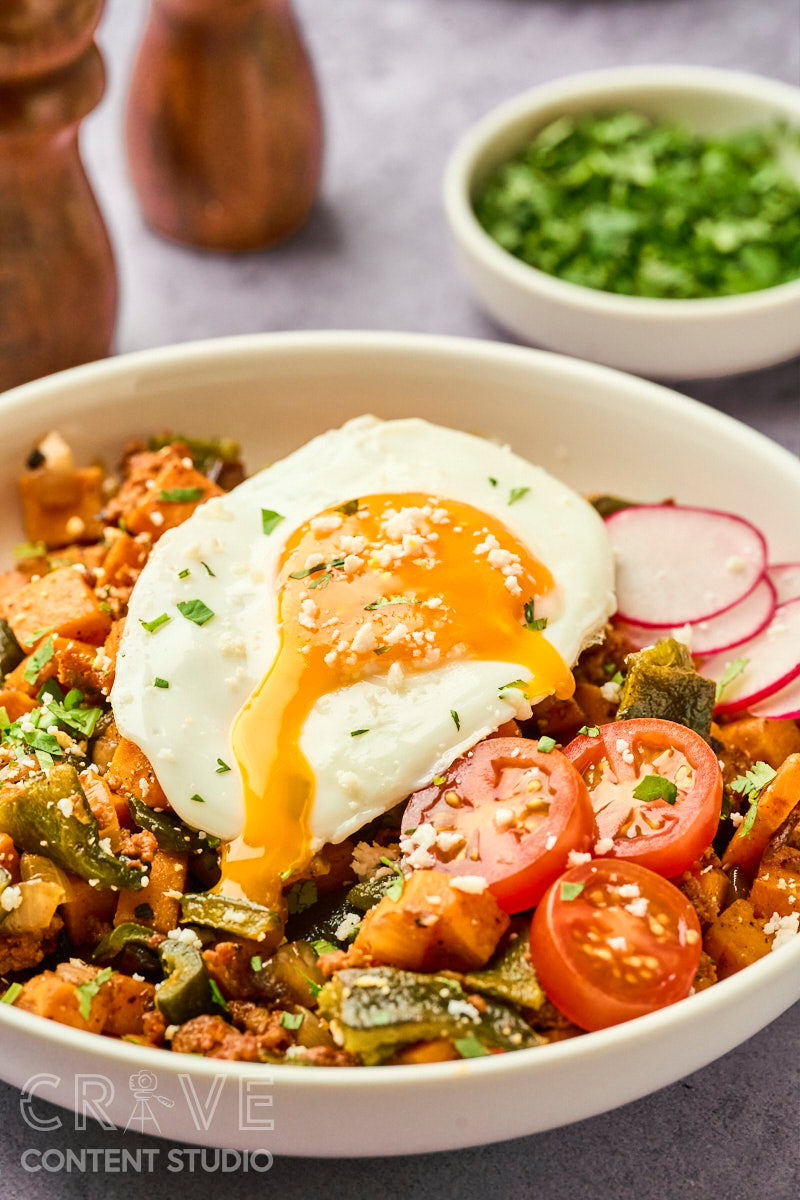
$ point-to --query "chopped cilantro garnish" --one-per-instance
(732, 671)
(81, 719)
(5, 723)
(754, 780)
(617, 677)
(30, 550)
(38, 659)
(105, 607)
(208, 569)
(156, 623)
(749, 818)
(314, 987)
(87, 991)
(520, 684)
(492, 481)
(395, 889)
(517, 493)
(456, 718)
(381, 650)
(470, 1047)
(535, 624)
(11, 993)
(217, 995)
(270, 520)
(195, 610)
(569, 891)
(546, 744)
(256, 962)
(655, 787)
(624, 203)
(382, 601)
(301, 896)
(336, 563)
(349, 509)
(323, 946)
(160, 683)
(358, 732)
(291, 1020)
(179, 495)
(590, 730)
(184, 573)
(197, 799)
(439, 780)
(222, 767)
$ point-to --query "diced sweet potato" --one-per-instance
(129, 1002)
(11, 582)
(86, 909)
(776, 887)
(16, 704)
(433, 926)
(774, 805)
(50, 995)
(736, 939)
(706, 888)
(60, 507)
(144, 501)
(74, 664)
(439, 1050)
(596, 708)
(111, 650)
(768, 741)
(124, 560)
(167, 875)
(131, 774)
(61, 602)
(9, 858)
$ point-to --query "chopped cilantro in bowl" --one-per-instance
(620, 203)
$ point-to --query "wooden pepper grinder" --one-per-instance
(58, 289)
(224, 128)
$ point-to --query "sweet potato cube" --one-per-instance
(129, 1001)
(163, 507)
(774, 805)
(50, 995)
(776, 887)
(167, 875)
(131, 774)
(736, 939)
(124, 560)
(9, 857)
(61, 602)
(60, 507)
(768, 741)
(86, 909)
(432, 926)
(16, 704)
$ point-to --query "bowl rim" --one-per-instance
(670, 78)
(747, 983)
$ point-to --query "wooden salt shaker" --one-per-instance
(224, 128)
(58, 290)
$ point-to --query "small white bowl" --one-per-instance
(669, 339)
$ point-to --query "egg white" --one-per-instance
(213, 669)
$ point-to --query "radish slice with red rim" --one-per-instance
(772, 661)
(786, 580)
(729, 629)
(780, 706)
(677, 565)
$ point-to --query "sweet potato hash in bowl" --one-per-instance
(413, 747)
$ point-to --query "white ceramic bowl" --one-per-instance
(667, 339)
(274, 392)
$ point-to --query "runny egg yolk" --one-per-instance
(380, 586)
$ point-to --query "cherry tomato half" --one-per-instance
(507, 812)
(611, 941)
(668, 833)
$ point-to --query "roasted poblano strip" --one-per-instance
(661, 682)
(186, 989)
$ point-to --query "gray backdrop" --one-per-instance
(401, 79)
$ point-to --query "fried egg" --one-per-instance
(333, 633)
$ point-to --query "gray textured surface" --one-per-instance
(401, 79)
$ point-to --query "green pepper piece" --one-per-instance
(661, 682)
(509, 976)
(186, 990)
(606, 505)
(170, 831)
(369, 892)
(204, 451)
(373, 1012)
(240, 917)
(11, 653)
(69, 835)
(127, 934)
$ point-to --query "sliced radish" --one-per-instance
(772, 661)
(735, 625)
(786, 578)
(780, 706)
(677, 565)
